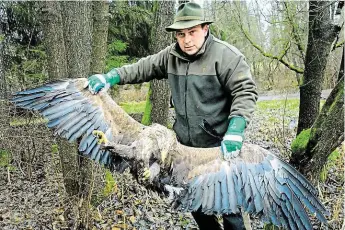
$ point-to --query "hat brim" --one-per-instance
(180, 25)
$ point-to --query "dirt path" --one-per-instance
(268, 96)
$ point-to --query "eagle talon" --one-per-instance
(173, 192)
(146, 174)
(102, 139)
(150, 173)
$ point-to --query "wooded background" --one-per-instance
(291, 46)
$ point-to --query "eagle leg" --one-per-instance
(172, 191)
(152, 172)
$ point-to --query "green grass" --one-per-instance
(332, 160)
(278, 104)
(291, 104)
(133, 107)
(110, 184)
(4, 158)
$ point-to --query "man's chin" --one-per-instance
(190, 52)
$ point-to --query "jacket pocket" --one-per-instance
(209, 129)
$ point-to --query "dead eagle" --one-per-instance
(256, 181)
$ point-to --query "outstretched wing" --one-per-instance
(257, 182)
(72, 113)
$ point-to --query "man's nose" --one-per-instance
(187, 39)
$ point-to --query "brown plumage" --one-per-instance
(257, 181)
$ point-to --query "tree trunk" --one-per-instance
(67, 30)
(159, 90)
(54, 40)
(3, 87)
(341, 70)
(321, 35)
(77, 35)
(99, 36)
(327, 132)
(57, 69)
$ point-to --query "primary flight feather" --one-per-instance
(257, 181)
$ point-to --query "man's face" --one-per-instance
(190, 40)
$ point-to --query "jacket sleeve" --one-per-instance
(240, 87)
(146, 69)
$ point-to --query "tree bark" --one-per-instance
(326, 134)
(341, 70)
(3, 87)
(99, 36)
(160, 91)
(321, 35)
(57, 69)
(68, 35)
(77, 34)
(77, 24)
(54, 40)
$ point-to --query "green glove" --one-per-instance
(233, 138)
(99, 81)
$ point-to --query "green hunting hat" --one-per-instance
(188, 15)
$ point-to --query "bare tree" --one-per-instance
(3, 88)
(321, 35)
(68, 35)
(100, 16)
(327, 132)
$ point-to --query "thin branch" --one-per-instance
(280, 59)
(260, 49)
(295, 32)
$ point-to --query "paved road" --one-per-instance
(324, 95)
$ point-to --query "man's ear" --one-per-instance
(206, 28)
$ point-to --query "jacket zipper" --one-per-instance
(185, 102)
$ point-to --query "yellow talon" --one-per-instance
(146, 174)
(102, 139)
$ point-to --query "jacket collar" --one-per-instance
(176, 50)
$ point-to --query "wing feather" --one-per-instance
(217, 196)
(256, 181)
(72, 113)
(231, 191)
(264, 186)
(225, 202)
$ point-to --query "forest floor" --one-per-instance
(32, 195)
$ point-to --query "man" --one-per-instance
(212, 89)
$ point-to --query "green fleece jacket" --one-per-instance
(207, 88)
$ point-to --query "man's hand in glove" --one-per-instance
(233, 138)
(99, 81)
